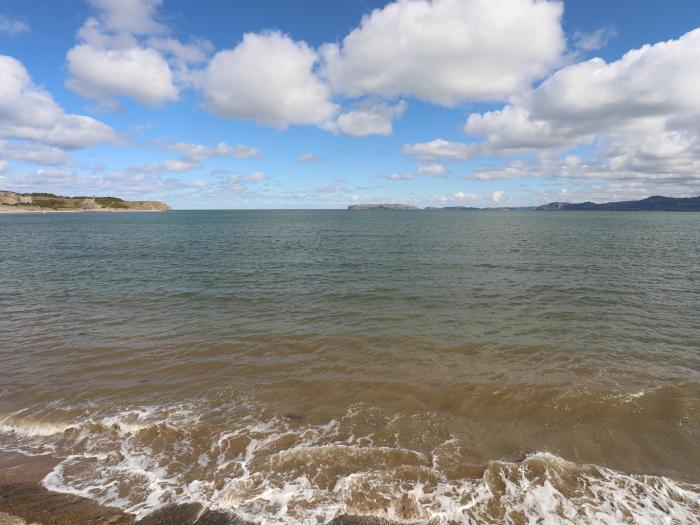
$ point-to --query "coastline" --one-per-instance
(12, 210)
(25, 501)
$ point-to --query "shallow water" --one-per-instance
(295, 365)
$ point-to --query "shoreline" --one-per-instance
(25, 501)
(7, 210)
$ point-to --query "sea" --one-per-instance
(292, 366)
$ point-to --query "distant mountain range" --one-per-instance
(656, 203)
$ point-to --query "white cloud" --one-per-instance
(448, 51)
(166, 166)
(640, 113)
(370, 119)
(270, 79)
(436, 170)
(29, 112)
(307, 158)
(125, 52)
(11, 26)
(136, 72)
(241, 151)
(3, 166)
(401, 176)
(439, 149)
(130, 16)
(34, 153)
(465, 196)
(589, 98)
(239, 183)
(497, 196)
(199, 152)
(457, 198)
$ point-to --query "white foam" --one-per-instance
(268, 471)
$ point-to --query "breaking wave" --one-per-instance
(279, 471)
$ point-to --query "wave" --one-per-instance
(276, 471)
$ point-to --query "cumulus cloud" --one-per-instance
(11, 26)
(29, 112)
(267, 78)
(647, 86)
(130, 16)
(640, 113)
(123, 51)
(369, 119)
(3, 166)
(307, 158)
(448, 51)
(136, 72)
(496, 196)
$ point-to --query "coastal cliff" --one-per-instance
(21, 202)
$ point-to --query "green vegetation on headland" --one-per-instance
(10, 201)
(656, 203)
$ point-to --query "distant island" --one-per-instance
(11, 202)
(656, 203)
(381, 207)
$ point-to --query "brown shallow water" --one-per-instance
(295, 366)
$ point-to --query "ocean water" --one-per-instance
(291, 366)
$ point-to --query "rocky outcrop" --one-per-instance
(381, 207)
(553, 206)
(10, 200)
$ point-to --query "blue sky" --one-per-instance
(317, 104)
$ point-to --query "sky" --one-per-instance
(317, 104)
